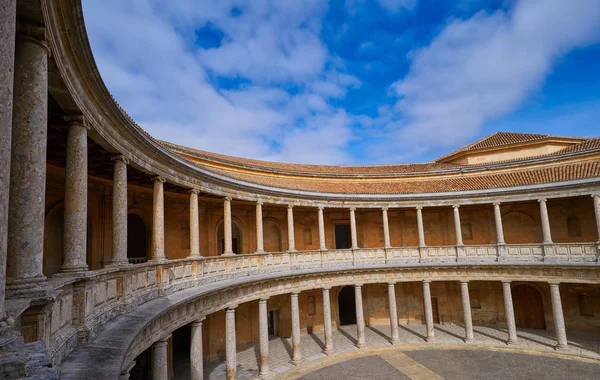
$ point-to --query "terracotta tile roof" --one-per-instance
(557, 173)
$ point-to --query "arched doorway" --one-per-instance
(271, 236)
(347, 306)
(529, 307)
(136, 239)
(236, 238)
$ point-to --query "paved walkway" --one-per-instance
(280, 350)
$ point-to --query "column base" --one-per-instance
(74, 268)
(512, 342)
(361, 346)
(118, 264)
(430, 339)
(561, 347)
(264, 375)
(32, 287)
(162, 260)
(195, 257)
(296, 361)
(469, 341)
(395, 341)
(330, 351)
(228, 254)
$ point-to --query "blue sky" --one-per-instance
(349, 81)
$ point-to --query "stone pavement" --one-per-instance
(280, 349)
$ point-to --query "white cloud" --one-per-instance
(479, 69)
(393, 6)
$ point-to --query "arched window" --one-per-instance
(271, 236)
(236, 238)
(137, 251)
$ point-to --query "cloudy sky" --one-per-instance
(349, 82)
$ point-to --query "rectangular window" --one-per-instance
(307, 236)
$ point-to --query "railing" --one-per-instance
(137, 260)
(85, 304)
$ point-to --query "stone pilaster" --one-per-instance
(353, 228)
(227, 236)
(230, 344)
(428, 311)
(260, 245)
(466, 304)
(158, 221)
(196, 355)
(327, 323)
(457, 227)
(119, 211)
(386, 228)
(547, 236)
(559, 319)
(8, 11)
(360, 318)
(395, 338)
(297, 355)
(420, 229)
(28, 164)
(160, 362)
(509, 311)
(596, 198)
(194, 225)
(263, 332)
(76, 194)
(322, 245)
(290, 228)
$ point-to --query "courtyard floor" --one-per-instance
(443, 358)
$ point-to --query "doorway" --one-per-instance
(529, 307)
(342, 236)
(347, 306)
(273, 322)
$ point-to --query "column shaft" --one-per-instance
(498, 222)
(510, 313)
(291, 235)
(327, 323)
(28, 163)
(546, 234)
(297, 355)
(395, 338)
(263, 328)
(196, 355)
(353, 228)
(260, 247)
(227, 237)
(322, 245)
(194, 226)
(420, 229)
(559, 319)
(119, 211)
(8, 11)
(230, 344)
(428, 311)
(76, 194)
(158, 220)
(466, 304)
(596, 198)
(386, 228)
(457, 226)
(160, 360)
(360, 318)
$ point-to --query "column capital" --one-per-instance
(419, 207)
(194, 191)
(76, 119)
(358, 286)
(352, 208)
(295, 294)
(391, 284)
(542, 200)
(595, 195)
(497, 204)
(464, 281)
(321, 207)
(384, 208)
(455, 206)
(158, 179)
(506, 282)
(231, 309)
(34, 33)
(227, 198)
(259, 202)
(326, 288)
(426, 281)
(120, 157)
(290, 206)
(198, 322)
(554, 283)
(263, 300)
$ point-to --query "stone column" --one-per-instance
(457, 227)
(194, 225)
(196, 355)
(263, 328)
(124, 375)
(119, 211)
(353, 228)
(596, 198)
(510, 314)
(230, 344)
(260, 245)
(322, 245)
(547, 236)
(559, 319)
(8, 11)
(76, 194)
(290, 222)
(420, 229)
(228, 240)
(386, 228)
(499, 228)
(466, 304)
(395, 338)
(160, 359)
(360, 318)
(158, 221)
(327, 323)
(297, 355)
(28, 163)
(428, 311)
